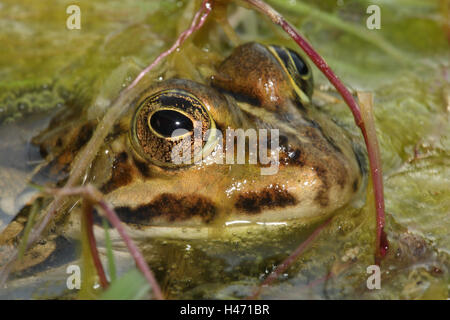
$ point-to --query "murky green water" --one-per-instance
(45, 67)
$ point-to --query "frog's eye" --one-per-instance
(296, 67)
(167, 120)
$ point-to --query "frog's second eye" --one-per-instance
(167, 120)
(296, 67)
(265, 75)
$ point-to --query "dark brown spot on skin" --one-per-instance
(284, 141)
(142, 167)
(355, 185)
(290, 155)
(171, 207)
(327, 146)
(117, 130)
(298, 157)
(342, 178)
(80, 138)
(330, 140)
(64, 149)
(322, 195)
(317, 141)
(270, 197)
(321, 173)
(43, 151)
(83, 136)
(121, 173)
(293, 157)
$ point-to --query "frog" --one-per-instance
(260, 87)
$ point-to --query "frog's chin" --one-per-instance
(238, 226)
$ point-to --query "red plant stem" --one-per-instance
(375, 165)
(87, 211)
(290, 260)
(135, 252)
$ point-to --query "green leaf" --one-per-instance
(131, 286)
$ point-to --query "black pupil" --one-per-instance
(165, 122)
(299, 63)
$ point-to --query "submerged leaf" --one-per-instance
(130, 286)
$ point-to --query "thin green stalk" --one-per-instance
(23, 243)
(366, 103)
(109, 252)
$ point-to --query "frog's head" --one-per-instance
(310, 168)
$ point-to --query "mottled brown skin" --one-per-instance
(121, 173)
(251, 74)
(59, 146)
